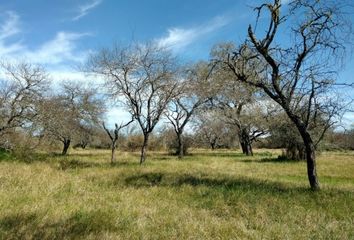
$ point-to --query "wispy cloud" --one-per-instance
(178, 38)
(84, 9)
(61, 49)
(58, 50)
(10, 26)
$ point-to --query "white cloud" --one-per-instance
(117, 115)
(178, 38)
(348, 119)
(58, 50)
(65, 74)
(9, 28)
(61, 49)
(11, 25)
(85, 9)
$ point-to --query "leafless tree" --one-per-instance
(249, 120)
(22, 86)
(194, 91)
(299, 75)
(142, 77)
(211, 129)
(65, 115)
(114, 136)
(240, 107)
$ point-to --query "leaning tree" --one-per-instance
(140, 76)
(297, 72)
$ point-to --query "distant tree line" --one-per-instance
(261, 92)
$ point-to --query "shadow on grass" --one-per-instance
(78, 225)
(23, 158)
(271, 160)
(164, 157)
(228, 184)
(224, 184)
(144, 180)
(66, 164)
(123, 164)
(233, 154)
(86, 155)
(220, 154)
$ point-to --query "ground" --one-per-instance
(208, 195)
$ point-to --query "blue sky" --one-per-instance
(78, 26)
(61, 34)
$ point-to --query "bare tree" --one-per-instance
(114, 136)
(65, 115)
(298, 76)
(144, 75)
(241, 107)
(211, 129)
(249, 120)
(194, 91)
(21, 88)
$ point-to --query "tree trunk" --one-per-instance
(310, 159)
(245, 142)
(250, 150)
(66, 146)
(143, 148)
(83, 145)
(243, 147)
(310, 151)
(113, 148)
(180, 150)
(212, 145)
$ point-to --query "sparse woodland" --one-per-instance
(253, 106)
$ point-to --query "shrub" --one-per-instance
(134, 143)
(172, 145)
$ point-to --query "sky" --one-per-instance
(61, 34)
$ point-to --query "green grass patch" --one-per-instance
(4, 155)
(208, 195)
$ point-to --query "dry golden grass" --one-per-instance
(208, 195)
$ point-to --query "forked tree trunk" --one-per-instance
(143, 148)
(66, 145)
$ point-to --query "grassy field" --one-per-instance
(208, 195)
